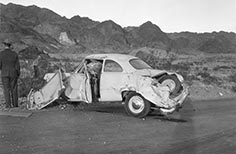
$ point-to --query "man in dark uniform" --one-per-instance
(10, 71)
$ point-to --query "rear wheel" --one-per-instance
(136, 105)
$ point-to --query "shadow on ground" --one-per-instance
(118, 109)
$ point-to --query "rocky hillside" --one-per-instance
(148, 34)
(216, 42)
(31, 26)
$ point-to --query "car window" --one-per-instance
(112, 66)
(139, 64)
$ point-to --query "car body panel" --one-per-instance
(78, 88)
(50, 92)
(110, 87)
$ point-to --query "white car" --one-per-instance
(119, 78)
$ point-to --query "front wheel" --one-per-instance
(136, 105)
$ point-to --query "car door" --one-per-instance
(78, 86)
(110, 81)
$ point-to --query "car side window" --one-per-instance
(112, 66)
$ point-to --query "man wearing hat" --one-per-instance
(10, 71)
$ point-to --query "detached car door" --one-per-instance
(78, 86)
(110, 82)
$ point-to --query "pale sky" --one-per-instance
(169, 15)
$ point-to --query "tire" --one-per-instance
(136, 105)
(172, 82)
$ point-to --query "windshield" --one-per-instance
(139, 64)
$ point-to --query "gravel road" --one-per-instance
(200, 127)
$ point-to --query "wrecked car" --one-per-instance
(115, 78)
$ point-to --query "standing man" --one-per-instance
(10, 67)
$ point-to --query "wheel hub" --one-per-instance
(136, 104)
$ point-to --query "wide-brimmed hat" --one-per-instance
(7, 42)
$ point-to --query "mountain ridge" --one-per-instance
(41, 27)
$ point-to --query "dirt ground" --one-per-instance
(200, 91)
(200, 127)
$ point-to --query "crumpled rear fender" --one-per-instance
(158, 95)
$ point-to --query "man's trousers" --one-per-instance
(10, 88)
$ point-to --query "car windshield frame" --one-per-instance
(140, 65)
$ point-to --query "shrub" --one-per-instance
(204, 74)
(232, 78)
(32, 77)
(27, 83)
(205, 69)
(181, 67)
(24, 86)
(234, 88)
(208, 79)
(217, 68)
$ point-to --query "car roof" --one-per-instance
(113, 56)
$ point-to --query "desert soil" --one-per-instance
(200, 127)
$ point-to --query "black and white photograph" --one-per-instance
(118, 77)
